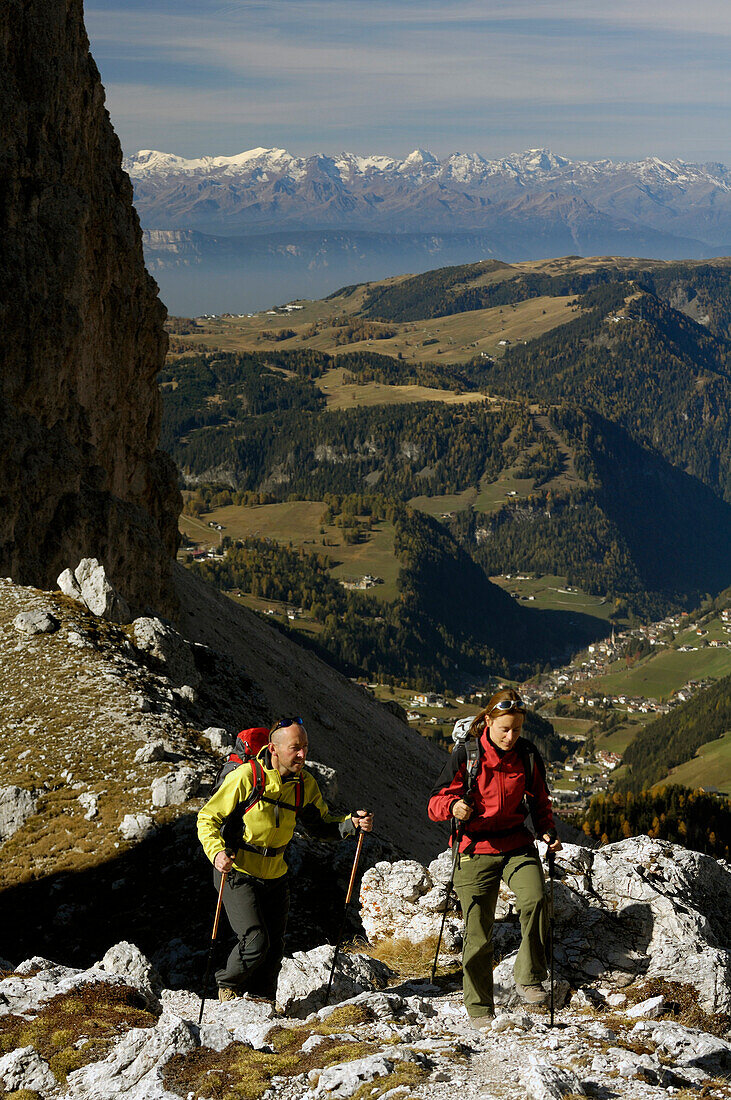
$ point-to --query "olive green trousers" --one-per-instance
(477, 882)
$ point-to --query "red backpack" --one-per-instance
(249, 744)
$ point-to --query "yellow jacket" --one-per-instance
(268, 824)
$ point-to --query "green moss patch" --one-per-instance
(77, 1028)
(240, 1073)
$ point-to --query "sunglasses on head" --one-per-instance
(506, 705)
(284, 722)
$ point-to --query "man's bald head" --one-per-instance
(288, 748)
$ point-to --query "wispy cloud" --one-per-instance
(606, 79)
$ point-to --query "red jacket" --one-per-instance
(499, 798)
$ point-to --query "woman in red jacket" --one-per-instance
(489, 810)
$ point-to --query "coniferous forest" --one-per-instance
(618, 419)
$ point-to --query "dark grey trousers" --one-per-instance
(257, 911)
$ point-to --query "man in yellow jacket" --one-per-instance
(274, 791)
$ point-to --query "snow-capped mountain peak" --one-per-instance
(272, 188)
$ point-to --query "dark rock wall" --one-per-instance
(81, 326)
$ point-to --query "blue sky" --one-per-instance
(586, 78)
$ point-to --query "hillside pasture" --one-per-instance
(710, 768)
(550, 593)
(439, 506)
(298, 522)
(346, 395)
(661, 674)
(493, 494)
(445, 340)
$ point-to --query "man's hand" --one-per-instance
(461, 810)
(223, 862)
(554, 844)
(362, 820)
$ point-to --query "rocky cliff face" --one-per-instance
(82, 325)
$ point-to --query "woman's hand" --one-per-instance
(461, 810)
(554, 844)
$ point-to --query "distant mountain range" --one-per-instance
(365, 217)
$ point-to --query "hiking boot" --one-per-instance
(532, 994)
(482, 1023)
(226, 994)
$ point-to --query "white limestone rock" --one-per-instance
(220, 740)
(133, 1067)
(16, 805)
(167, 646)
(672, 905)
(69, 585)
(98, 594)
(36, 980)
(543, 1081)
(344, 1079)
(697, 1054)
(246, 1020)
(327, 780)
(24, 1068)
(175, 787)
(214, 1036)
(399, 900)
(640, 906)
(649, 1009)
(149, 753)
(136, 826)
(303, 978)
(89, 802)
(127, 961)
(38, 621)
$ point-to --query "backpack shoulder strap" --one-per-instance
(472, 763)
(532, 759)
(258, 788)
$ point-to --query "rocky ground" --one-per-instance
(111, 736)
(113, 1031)
(107, 752)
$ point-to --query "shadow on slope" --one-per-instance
(159, 894)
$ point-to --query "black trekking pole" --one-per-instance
(216, 920)
(551, 923)
(345, 912)
(455, 857)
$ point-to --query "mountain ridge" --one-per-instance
(676, 197)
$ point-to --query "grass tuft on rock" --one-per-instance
(681, 1005)
(407, 959)
(240, 1073)
(74, 1029)
(407, 1075)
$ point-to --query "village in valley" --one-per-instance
(599, 700)
(584, 702)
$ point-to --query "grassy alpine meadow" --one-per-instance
(660, 675)
(322, 326)
(299, 522)
(553, 593)
(439, 506)
(618, 739)
(349, 395)
(710, 767)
